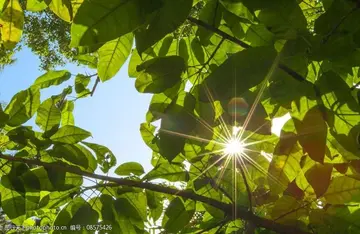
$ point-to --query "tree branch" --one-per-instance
(223, 34)
(95, 85)
(242, 212)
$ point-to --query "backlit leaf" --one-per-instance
(70, 135)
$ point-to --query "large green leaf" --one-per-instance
(159, 74)
(170, 172)
(130, 168)
(62, 8)
(70, 135)
(112, 55)
(100, 21)
(77, 212)
(177, 215)
(237, 74)
(75, 154)
(343, 190)
(23, 106)
(12, 22)
(36, 5)
(48, 115)
(165, 20)
(211, 13)
(67, 117)
(52, 78)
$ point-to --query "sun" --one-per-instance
(234, 147)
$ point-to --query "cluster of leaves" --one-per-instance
(273, 55)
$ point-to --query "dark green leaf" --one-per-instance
(159, 74)
(165, 20)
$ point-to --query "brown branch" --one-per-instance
(242, 213)
(95, 85)
(226, 36)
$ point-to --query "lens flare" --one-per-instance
(238, 107)
(234, 147)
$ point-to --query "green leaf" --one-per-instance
(319, 177)
(67, 117)
(285, 205)
(23, 106)
(61, 8)
(48, 115)
(112, 55)
(89, 60)
(312, 132)
(165, 20)
(237, 73)
(100, 21)
(75, 154)
(130, 168)
(3, 118)
(52, 78)
(12, 22)
(176, 216)
(147, 132)
(211, 14)
(105, 158)
(170, 172)
(77, 212)
(343, 190)
(159, 74)
(36, 5)
(70, 135)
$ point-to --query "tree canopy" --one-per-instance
(220, 71)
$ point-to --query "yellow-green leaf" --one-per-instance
(112, 55)
(12, 20)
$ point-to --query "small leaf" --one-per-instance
(104, 156)
(130, 168)
(112, 55)
(147, 133)
(52, 78)
(12, 22)
(170, 172)
(81, 83)
(159, 74)
(48, 115)
(319, 177)
(70, 135)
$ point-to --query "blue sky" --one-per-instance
(113, 115)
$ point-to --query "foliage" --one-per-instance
(217, 69)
